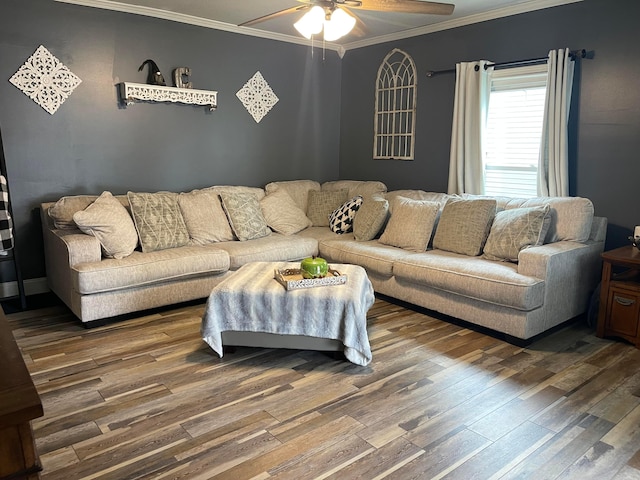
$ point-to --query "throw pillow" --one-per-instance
(370, 218)
(411, 224)
(322, 204)
(158, 220)
(63, 210)
(245, 216)
(298, 190)
(341, 219)
(464, 225)
(204, 217)
(282, 214)
(108, 220)
(514, 230)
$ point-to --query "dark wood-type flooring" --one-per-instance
(147, 398)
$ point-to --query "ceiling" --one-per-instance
(380, 27)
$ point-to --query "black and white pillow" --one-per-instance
(341, 219)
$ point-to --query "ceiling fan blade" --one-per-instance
(273, 15)
(406, 6)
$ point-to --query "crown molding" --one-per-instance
(200, 22)
(525, 7)
(529, 6)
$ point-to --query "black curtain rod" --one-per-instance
(514, 63)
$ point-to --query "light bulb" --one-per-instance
(338, 25)
(311, 22)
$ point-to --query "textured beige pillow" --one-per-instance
(158, 220)
(514, 230)
(364, 188)
(323, 203)
(245, 215)
(298, 190)
(63, 210)
(370, 218)
(464, 225)
(411, 224)
(108, 220)
(282, 214)
(204, 217)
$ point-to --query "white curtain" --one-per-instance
(553, 164)
(466, 163)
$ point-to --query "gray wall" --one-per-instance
(91, 144)
(606, 110)
(321, 128)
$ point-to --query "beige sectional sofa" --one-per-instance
(409, 241)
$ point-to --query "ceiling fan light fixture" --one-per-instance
(338, 25)
(311, 22)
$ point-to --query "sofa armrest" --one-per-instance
(63, 249)
(571, 271)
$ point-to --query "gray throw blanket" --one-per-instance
(251, 300)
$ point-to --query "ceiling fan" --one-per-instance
(336, 18)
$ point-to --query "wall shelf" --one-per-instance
(131, 93)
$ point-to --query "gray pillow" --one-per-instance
(204, 217)
(158, 220)
(245, 216)
(516, 229)
(282, 214)
(108, 220)
(370, 218)
(464, 225)
(411, 224)
(323, 203)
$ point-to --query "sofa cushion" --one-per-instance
(274, 248)
(63, 210)
(245, 215)
(439, 198)
(256, 191)
(204, 217)
(158, 220)
(473, 277)
(322, 204)
(411, 224)
(341, 219)
(108, 221)
(371, 217)
(364, 188)
(139, 269)
(282, 214)
(514, 230)
(298, 190)
(571, 217)
(371, 255)
(464, 225)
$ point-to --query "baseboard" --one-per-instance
(32, 286)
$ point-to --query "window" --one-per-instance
(514, 130)
(395, 107)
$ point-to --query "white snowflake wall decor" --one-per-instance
(257, 97)
(45, 80)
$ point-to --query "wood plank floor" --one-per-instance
(146, 398)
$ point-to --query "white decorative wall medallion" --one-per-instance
(45, 80)
(257, 97)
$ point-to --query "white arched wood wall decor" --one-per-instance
(395, 114)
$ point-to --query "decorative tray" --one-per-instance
(292, 279)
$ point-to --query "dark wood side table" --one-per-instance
(19, 404)
(619, 313)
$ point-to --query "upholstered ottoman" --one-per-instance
(251, 308)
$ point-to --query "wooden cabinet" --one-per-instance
(19, 404)
(619, 314)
